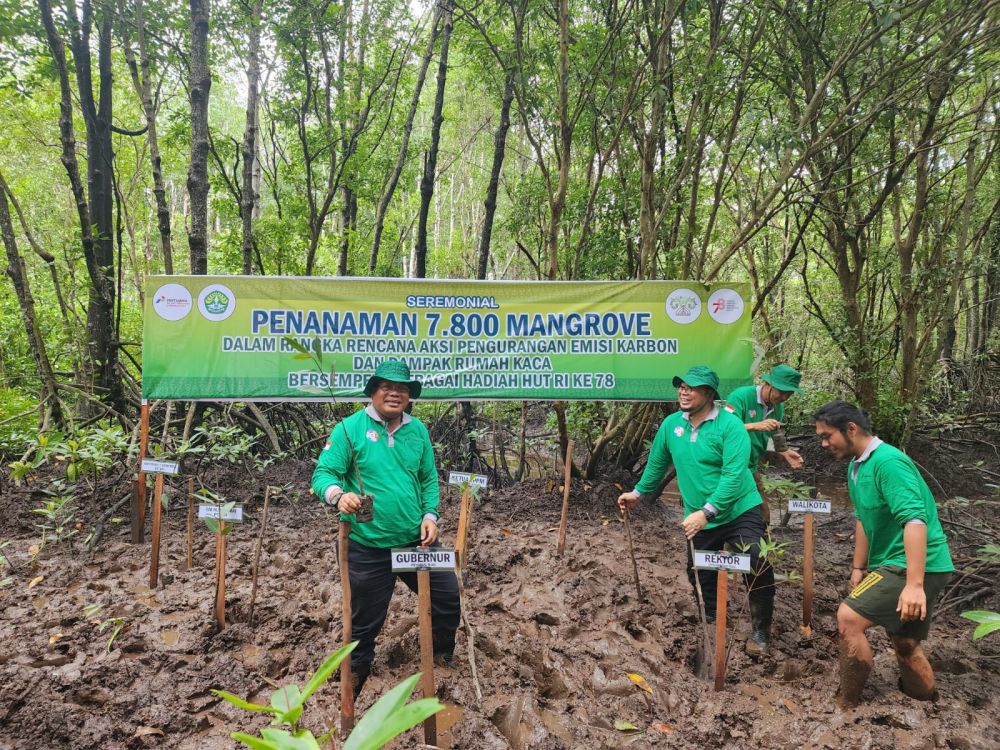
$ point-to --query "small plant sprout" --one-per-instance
(388, 718)
(989, 622)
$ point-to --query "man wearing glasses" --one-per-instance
(710, 449)
(389, 453)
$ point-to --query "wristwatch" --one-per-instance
(709, 512)
(335, 498)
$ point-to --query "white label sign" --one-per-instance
(213, 511)
(709, 560)
(417, 558)
(809, 506)
(461, 477)
(153, 466)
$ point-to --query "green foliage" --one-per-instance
(389, 717)
(785, 489)
(989, 622)
(59, 515)
(224, 443)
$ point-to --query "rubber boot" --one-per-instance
(760, 627)
(360, 673)
(444, 650)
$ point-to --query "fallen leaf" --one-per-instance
(33, 550)
(54, 637)
(639, 680)
(35, 581)
(661, 727)
(605, 522)
(625, 726)
(795, 710)
(506, 532)
(619, 487)
(147, 731)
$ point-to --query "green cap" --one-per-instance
(699, 375)
(397, 372)
(784, 378)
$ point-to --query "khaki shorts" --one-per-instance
(877, 596)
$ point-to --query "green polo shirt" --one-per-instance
(711, 464)
(397, 470)
(887, 491)
(748, 405)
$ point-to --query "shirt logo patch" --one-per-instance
(327, 446)
(678, 431)
(753, 412)
(730, 409)
(372, 435)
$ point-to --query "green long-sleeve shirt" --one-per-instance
(746, 404)
(398, 471)
(887, 492)
(711, 464)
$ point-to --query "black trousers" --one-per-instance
(745, 529)
(372, 583)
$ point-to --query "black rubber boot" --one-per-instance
(760, 627)
(444, 650)
(360, 672)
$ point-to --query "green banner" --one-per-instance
(240, 337)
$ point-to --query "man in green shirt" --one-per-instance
(389, 452)
(901, 558)
(761, 408)
(710, 449)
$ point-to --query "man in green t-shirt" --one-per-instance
(901, 557)
(710, 449)
(389, 452)
(761, 408)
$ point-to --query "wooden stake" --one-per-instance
(461, 538)
(426, 650)
(631, 552)
(143, 445)
(721, 600)
(256, 554)
(564, 519)
(189, 563)
(807, 575)
(220, 576)
(346, 676)
(154, 559)
(136, 513)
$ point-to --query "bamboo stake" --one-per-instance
(426, 650)
(564, 519)
(220, 576)
(256, 554)
(346, 676)
(189, 562)
(721, 600)
(631, 552)
(136, 513)
(154, 559)
(807, 575)
(705, 644)
(463, 527)
(143, 446)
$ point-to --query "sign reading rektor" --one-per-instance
(709, 560)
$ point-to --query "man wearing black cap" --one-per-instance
(710, 449)
(390, 453)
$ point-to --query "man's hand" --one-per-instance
(428, 532)
(912, 603)
(794, 458)
(627, 500)
(766, 425)
(349, 503)
(857, 576)
(694, 523)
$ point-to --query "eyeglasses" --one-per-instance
(388, 386)
(685, 388)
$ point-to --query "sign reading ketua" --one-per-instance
(280, 338)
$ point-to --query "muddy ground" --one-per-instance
(555, 638)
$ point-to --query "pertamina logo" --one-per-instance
(216, 302)
(172, 301)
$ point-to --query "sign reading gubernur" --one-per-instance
(408, 559)
(241, 337)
